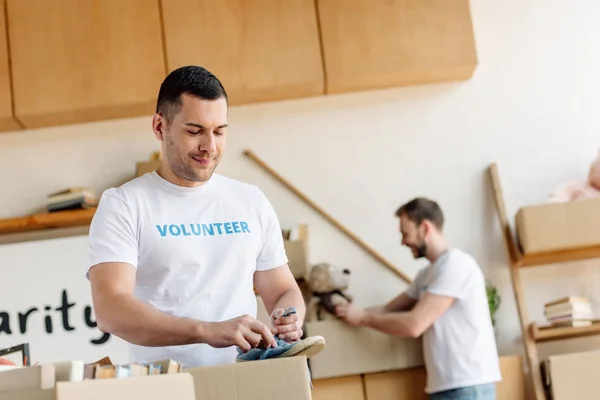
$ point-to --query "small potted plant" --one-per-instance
(494, 300)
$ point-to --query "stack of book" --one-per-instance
(569, 311)
(70, 199)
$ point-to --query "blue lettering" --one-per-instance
(244, 227)
(206, 230)
(218, 225)
(200, 229)
(197, 226)
(162, 230)
(174, 229)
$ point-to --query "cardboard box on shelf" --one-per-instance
(297, 257)
(558, 226)
(572, 376)
(352, 351)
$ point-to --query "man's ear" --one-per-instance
(426, 227)
(158, 126)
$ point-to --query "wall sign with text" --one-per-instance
(45, 300)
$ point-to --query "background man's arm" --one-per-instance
(411, 323)
(402, 302)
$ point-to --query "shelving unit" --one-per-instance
(45, 224)
(532, 332)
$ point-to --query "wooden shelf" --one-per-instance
(45, 221)
(555, 257)
(550, 333)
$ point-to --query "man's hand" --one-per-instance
(350, 313)
(287, 327)
(245, 331)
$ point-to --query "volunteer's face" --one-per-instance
(413, 237)
(195, 140)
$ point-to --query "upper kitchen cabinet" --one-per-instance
(78, 61)
(261, 50)
(7, 121)
(376, 44)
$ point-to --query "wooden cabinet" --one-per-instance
(7, 121)
(77, 61)
(376, 44)
(261, 50)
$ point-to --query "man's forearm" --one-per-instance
(141, 324)
(397, 324)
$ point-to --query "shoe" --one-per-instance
(308, 347)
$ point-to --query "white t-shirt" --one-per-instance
(460, 347)
(195, 250)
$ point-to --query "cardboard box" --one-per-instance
(277, 379)
(25, 378)
(396, 385)
(410, 383)
(29, 394)
(297, 257)
(558, 226)
(344, 388)
(573, 376)
(352, 351)
(152, 387)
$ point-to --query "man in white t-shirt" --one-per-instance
(446, 304)
(176, 252)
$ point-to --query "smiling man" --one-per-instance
(446, 304)
(176, 252)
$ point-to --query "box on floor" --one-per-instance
(409, 384)
(285, 378)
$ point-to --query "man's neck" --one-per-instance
(436, 250)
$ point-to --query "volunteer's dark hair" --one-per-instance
(191, 79)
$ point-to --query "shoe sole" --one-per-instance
(308, 347)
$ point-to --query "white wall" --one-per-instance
(532, 100)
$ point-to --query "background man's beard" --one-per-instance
(421, 250)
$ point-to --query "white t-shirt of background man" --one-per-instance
(195, 250)
(460, 347)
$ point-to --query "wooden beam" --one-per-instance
(328, 217)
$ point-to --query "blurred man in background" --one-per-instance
(446, 304)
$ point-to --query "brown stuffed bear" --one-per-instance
(327, 285)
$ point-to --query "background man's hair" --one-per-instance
(420, 209)
(193, 80)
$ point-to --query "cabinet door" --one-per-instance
(375, 44)
(77, 61)
(7, 121)
(261, 50)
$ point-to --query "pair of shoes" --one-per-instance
(308, 347)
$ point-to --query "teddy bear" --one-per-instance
(580, 189)
(327, 285)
